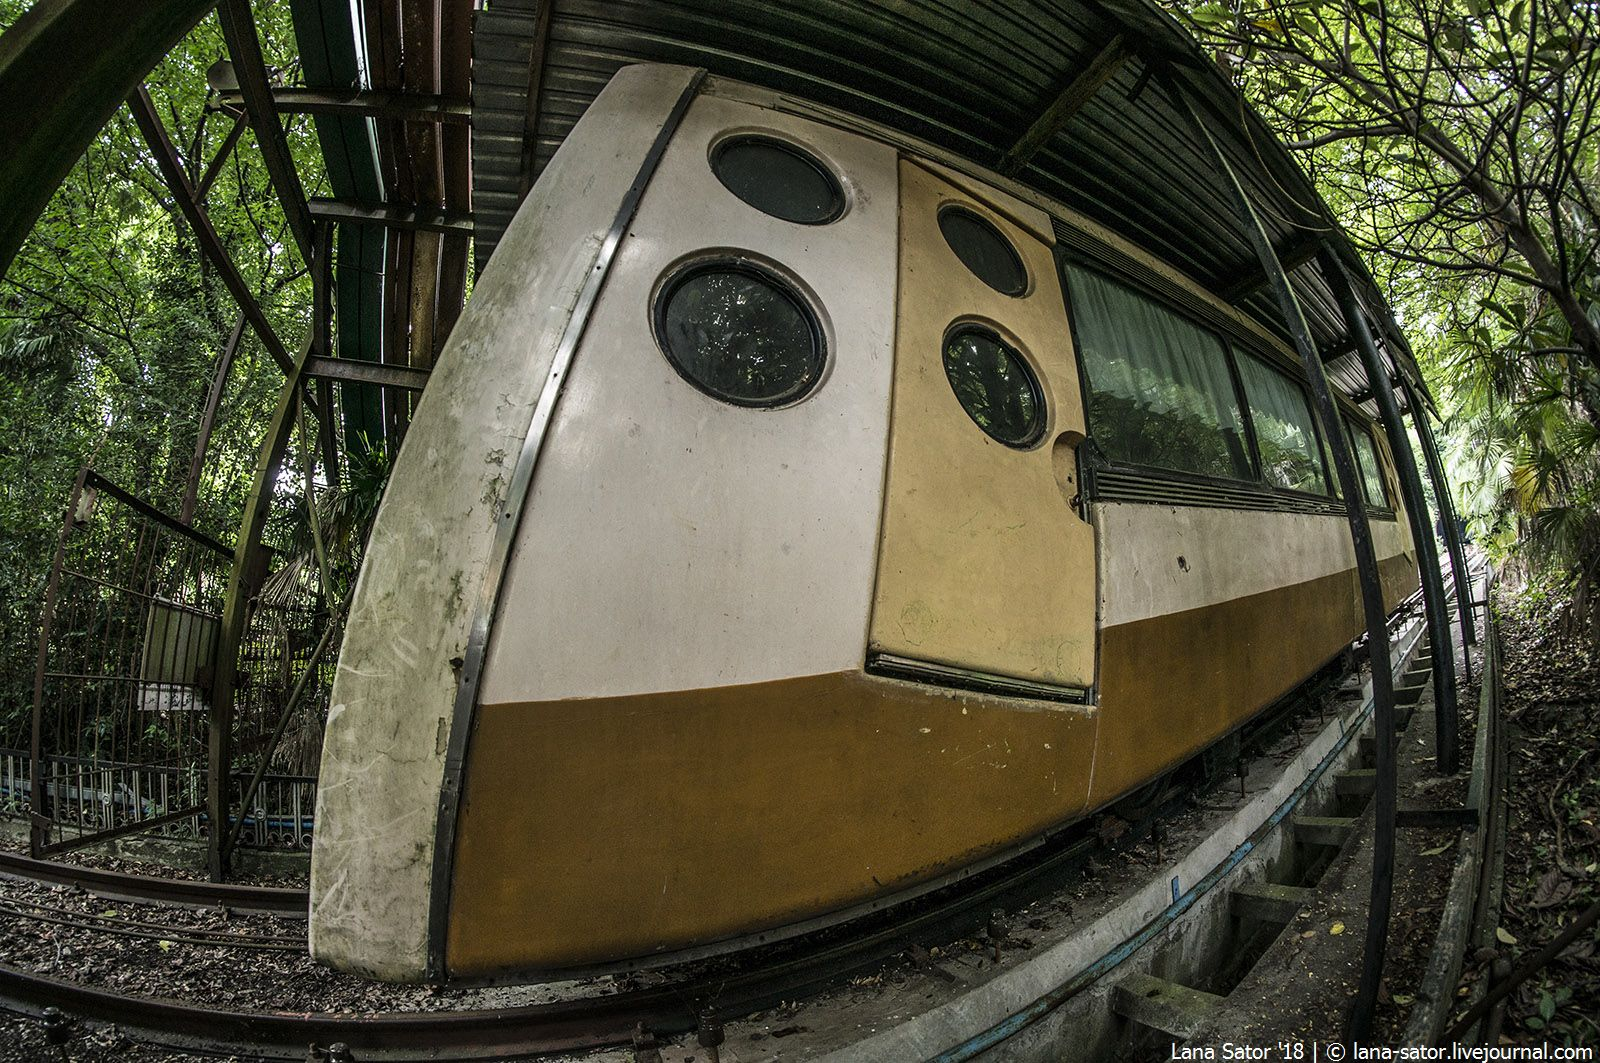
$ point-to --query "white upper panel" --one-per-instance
(1166, 559)
(673, 541)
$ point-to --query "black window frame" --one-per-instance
(1384, 507)
(1065, 257)
(1090, 457)
(796, 151)
(677, 278)
(1036, 385)
(962, 208)
(1328, 477)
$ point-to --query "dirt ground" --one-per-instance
(1552, 711)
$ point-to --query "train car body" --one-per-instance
(866, 519)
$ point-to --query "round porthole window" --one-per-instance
(984, 250)
(741, 334)
(778, 178)
(994, 385)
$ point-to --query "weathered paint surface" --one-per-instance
(606, 827)
(676, 744)
(674, 541)
(984, 564)
(392, 701)
(1210, 614)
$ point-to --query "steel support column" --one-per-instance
(1360, 1025)
(236, 606)
(1447, 514)
(1446, 709)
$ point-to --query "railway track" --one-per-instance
(749, 984)
(135, 928)
(794, 971)
(149, 889)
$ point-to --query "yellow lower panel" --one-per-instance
(614, 828)
(1170, 685)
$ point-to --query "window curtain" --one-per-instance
(1159, 388)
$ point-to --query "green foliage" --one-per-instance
(1456, 143)
(111, 324)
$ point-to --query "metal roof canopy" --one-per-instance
(980, 81)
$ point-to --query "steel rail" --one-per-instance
(192, 936)
(120, 885)
(539, 1029)
(27, 908)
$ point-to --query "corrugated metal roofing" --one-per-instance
(329, 60)
(970, 78)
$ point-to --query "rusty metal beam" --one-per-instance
(354, 371)
(65, 68)
(1101, 69)
(403, 218)
(1338, 350)
(247, 558)
(322, 345)
(455, 71)
(244, 46)
(407, 106)
(208, 420)
(220, 159)
(423, 74)
(155, 135)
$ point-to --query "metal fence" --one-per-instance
(122, 686)
(103, 797)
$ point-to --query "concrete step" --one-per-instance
(1175, 1010)
(1269, 902)
(1409, 694)
(1332, 831)
(1358, 782)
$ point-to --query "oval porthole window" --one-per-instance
(778, 178)
(984, 250)
(994, 385)
(741, 334)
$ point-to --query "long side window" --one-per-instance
(1367, 459)
(1285, 432)
(1159, 388)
